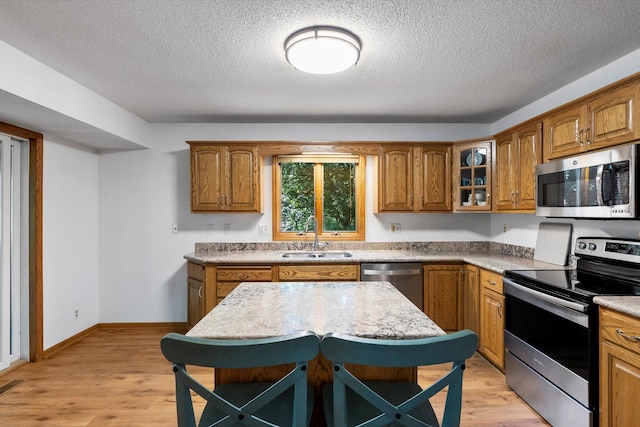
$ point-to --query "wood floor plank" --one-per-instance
(120, 378)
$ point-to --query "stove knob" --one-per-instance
(592, 246)
(582, 245)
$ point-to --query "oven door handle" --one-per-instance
(572, 311)
(549, 298)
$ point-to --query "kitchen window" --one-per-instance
(328, 186)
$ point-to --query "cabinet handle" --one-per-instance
(226, 201)
(517, 197)
(633, 338)
(500, 309)
(580, 136)
(492, 282)
(200, 292)
(411, 200)
(242, 276)
(588, 132)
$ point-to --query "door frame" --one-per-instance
(36, 326)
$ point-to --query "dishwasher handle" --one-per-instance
(411, 272)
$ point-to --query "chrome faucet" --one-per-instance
(315, 229)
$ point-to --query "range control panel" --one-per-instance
(609, 248)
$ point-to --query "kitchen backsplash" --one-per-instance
(490, 248)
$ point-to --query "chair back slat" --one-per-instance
(399, 353)
(217, 353)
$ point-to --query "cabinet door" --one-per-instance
(207, 178)
(433, 177)
(195, 303)
(243, 183)
(614, 117)
(471, 299)
(492, 326)
(443, 295)
(505, 185)
(619, 386)
(528, 142)
(395, 186)
(564, 133)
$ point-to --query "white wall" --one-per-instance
(70, 240)
(142, 193)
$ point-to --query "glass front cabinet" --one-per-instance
(472, 176)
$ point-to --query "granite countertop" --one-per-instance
(625, 304)
(268, 309)
(496, 263)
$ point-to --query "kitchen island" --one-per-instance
(267, 309)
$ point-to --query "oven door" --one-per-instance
(548, 355)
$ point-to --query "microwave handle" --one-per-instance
(599, 191)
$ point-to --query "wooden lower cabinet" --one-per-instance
(471, 299)
(443, 295)
(619, 369)
(230, 276)
(492, 318)
(201, 293)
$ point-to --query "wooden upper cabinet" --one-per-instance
(225, 178)
(472, 176)
(414, 178)
(517, 154)
(606, 120)
(243, 183)
(395, 175)
(433, 173)
(207, 167)
(614, 117)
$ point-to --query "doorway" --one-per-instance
(14, 208)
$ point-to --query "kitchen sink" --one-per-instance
(317, 255)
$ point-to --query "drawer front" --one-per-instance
(318, 272)
(195, 271)
(244, 274)
(224, 288)
(491, 280)
(620, 329)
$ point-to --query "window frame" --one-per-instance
(318, 159)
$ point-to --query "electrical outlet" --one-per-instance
(395, 227)
(227, 228)
(174, 228)
(210, 228)
(504, 228)
(76, 314)
(264, 228)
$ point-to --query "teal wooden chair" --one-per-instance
(348, 401)
(285, 403)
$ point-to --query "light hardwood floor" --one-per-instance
(118, 377)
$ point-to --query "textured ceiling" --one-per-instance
(422, 61)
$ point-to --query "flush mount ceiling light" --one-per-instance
(322, 50)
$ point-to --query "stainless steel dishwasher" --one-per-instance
(405, 276)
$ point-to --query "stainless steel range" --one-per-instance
(551, 328)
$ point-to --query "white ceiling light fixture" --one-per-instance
(322, 50)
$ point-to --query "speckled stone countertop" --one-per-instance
(490, 261)
(268, 309)
(624, 304)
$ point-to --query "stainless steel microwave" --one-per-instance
(601, 184)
